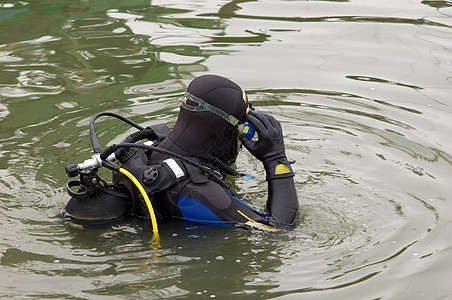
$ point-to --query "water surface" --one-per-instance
(362, 89)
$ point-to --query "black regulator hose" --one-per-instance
(146, 133)
(211, 173)
(94, 141)
(113, 148)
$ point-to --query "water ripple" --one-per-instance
(362, 91)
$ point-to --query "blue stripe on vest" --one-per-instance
(261, 212)
(196, 212)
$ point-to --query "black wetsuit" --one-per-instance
(185, 192)
(181, 172)
(211, 203)
(207, 131)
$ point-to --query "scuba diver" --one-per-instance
(181, 170)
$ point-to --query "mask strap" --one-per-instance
(204, 106)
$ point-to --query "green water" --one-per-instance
(362, 88)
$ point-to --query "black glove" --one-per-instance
(269, 148)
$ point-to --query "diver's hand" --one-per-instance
(270, 145)
(269, 148)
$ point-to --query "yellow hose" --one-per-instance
(146, 199)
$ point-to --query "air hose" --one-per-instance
(132, 178)
(143, 133)
(146, 199)
(94, 141)
(210, 173)
(146, 133)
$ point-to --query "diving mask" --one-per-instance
(204, 106)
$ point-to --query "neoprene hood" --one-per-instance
(204, 133)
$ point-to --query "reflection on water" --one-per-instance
(363, 93)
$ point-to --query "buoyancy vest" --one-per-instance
(162, 179)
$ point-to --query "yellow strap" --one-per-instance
(146, 199)
(256, 224)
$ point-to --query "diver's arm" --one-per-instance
(211, 203)
(282, 202)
